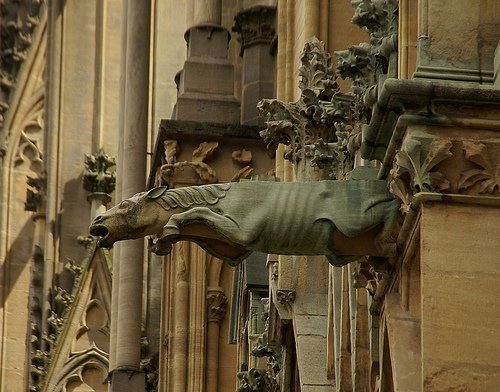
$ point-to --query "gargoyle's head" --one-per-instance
(133, 218)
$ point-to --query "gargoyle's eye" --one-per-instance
(124, 204)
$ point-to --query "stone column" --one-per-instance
(216, 309)
(256, 29)
(202, 98)
(207, 11)
(126, 375)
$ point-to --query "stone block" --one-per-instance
(404, 344)
(311, 359)
(202, 75)
(258, 64)
(207, 41)
(208, 108)
(310, 325)
(460, 270)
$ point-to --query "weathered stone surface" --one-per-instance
(460, 315)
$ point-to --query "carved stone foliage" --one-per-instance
(256, 380)
(201, 155)
(285, 297)
(255, 25)
(369, 273)
(486, 177)
(415, 169)
(99, 175)
(315, 118)
(216, 306)
(364, 63)
(202, 164)
(35, 195)
(18, 19)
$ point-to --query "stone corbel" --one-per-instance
(283, 301)
(216, 306)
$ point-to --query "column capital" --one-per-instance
(255, 25)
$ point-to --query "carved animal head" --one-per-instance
(133, 218)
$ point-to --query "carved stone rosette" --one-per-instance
(255, 25)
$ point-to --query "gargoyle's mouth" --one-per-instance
(99, 230)
(103, 232)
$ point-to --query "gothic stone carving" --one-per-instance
(99, 175)
(231, 220)
(198, 163)
(487, 177)
(256, 380)
(18, 19)
(35, 195)
(216, 306)
(255, 25)
(414, 169)
(315, 117)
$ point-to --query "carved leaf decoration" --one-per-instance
(242, 156)
(410, 160)
(488, 177)
(413, 173)
(398, 188)
(205, 172)
(243, 173)
(171, 150)
(204, 151)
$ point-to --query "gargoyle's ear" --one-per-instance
(157, 192)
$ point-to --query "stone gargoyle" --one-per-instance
(338, 219)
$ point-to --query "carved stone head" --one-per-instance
(133, 218)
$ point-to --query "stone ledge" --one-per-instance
(416, 98)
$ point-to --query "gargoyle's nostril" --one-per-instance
(99, 230)
(97, 219)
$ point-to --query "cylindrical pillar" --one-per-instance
(133, 149)
(216, 309)
(178, 359)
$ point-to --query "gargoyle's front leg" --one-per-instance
(217, 222)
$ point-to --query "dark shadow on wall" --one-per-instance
(19, 257)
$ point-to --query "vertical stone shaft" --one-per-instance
(178, 354)
(212, 355)
(216, 309)
(256, 29)
(207, 11)
(133, 148)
